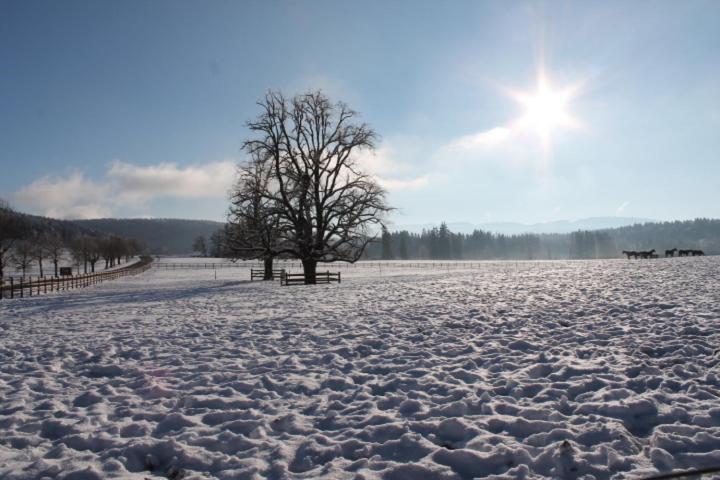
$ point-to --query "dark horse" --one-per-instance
(670, 253)
(647, 254)
(697, 253)
(630, 253)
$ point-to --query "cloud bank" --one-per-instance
(124, 185)
(134, 187)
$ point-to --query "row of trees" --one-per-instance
(302, 193)
(442, 244)
(25, 244)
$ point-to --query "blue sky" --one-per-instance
(138, 108)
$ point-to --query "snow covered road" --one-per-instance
(556, 369)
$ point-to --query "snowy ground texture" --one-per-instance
(598, 369)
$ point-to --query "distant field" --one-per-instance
(513, 369)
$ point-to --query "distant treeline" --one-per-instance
(30, 241)
(164, 236)
(442, 244)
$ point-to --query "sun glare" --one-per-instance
(546, 109)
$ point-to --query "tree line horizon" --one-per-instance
(27, 241)
(440, 243)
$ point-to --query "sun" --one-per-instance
(546, 109)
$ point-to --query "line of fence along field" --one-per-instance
(428, 265)
(11, 288)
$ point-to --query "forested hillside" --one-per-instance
(160, 235)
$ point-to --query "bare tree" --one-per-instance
(24, 255)
(93, 252)
(328, 209)
(54, 248)
(133, 247)
(253, 224)
(39, 240)
(13, 228)
(80, 249)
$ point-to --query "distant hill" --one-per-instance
(166, 236)
(515, 228)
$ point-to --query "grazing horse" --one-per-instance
(697, 253)
(630, 253)
(683, 253)
(670, 253)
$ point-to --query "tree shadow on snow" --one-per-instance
(104, 298)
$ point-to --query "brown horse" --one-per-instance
(670, 253)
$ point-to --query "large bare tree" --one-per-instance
(328, 208)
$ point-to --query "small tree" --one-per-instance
(54, 248)
(327, 208)
(80, 249)
(403, 248)
(24, 255)
(387, 253)
(13, 228)
(253, 224)
(200, 245)
(110, 249)
(218, 243)
(93, 248)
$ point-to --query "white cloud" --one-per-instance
(124, 185)
(66, 197)
(622, 207)
(381, 161)
(408, 184)
(139, 184)
(390, 172)
(480, 140)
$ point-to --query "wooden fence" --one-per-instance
(11, 288)
(288, 264)
(259, 274)
(299, 278)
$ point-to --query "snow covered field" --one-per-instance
(548, 369)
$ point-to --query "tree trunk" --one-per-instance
(55, 263)
(40, 264)
(92, 267)
(309, 266)
(268, 268)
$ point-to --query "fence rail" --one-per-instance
(299, 278)
(260, 274)
(11, 288)
(429, 264)
(380, 266)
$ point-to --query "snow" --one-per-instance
(592, 369)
